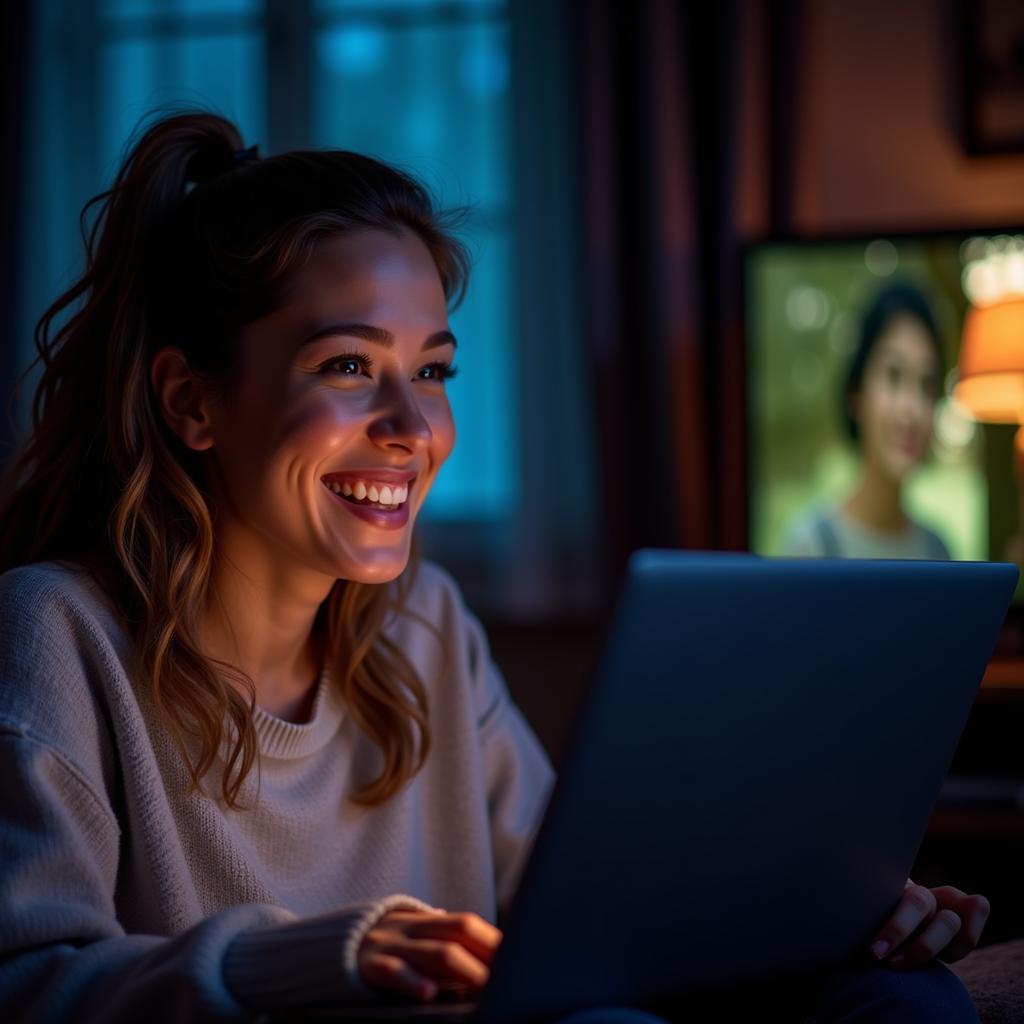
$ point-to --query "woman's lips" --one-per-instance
(907, 446)
(387, 476)
(385, 519)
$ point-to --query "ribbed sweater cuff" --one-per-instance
(312, 961)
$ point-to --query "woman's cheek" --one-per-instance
(446, 434)
(321, 427)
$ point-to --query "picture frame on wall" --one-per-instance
(992, 51)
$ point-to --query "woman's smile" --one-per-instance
(376, 496)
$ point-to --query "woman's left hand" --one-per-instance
(928, 923)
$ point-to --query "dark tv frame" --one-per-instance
(969, 19)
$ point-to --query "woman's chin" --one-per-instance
(379, 568)
(901, 467)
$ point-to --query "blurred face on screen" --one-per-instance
(896, 404)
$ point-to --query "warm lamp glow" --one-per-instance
(991, 384)
(991, 372)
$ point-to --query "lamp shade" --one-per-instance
(991, 371)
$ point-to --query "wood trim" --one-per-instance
(1003, 680)
(976, 823)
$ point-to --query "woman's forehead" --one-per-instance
(367, 277)
(369, 253)
(365, 269)
(904, 337)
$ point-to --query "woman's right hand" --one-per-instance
(415, 953)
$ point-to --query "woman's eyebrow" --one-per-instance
(378, 335)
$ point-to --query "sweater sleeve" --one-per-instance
(64, 956)
(518, 774)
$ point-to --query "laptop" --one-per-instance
(759, 731)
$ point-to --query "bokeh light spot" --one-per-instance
(881, 257)
(484, 72)
(807, 308)
(354, 51)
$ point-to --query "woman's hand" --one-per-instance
(417, 954)
(942, 922)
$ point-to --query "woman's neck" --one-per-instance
(876, 502)
(291, 706)
(268, 629)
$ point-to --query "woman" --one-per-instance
(253, 756)
(889, 396)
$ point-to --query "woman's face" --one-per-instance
(341, 388)
(896, 403)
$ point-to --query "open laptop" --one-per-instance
(760, 731)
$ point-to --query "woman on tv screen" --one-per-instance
(892, 384)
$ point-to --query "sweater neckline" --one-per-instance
(288, 740)
(275, 736)
(873, 534)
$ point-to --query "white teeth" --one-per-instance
(385, 494)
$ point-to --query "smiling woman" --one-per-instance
(250, 745)
(231, 695)
(295, 415)
(892, 385)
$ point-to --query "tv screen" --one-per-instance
(852, 348)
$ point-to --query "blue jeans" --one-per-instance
(932, 994)
(854, 995)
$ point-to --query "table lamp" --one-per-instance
(991, 378)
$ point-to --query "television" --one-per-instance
(807, 304)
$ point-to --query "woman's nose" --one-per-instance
(400, 421)
(915, 404)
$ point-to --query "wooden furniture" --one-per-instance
(1004, 681)
(999, 706)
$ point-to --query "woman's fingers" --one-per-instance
(973, 912)
(932, 940)
(443, 961)
(392, 973)
(942, 922)
(470, 930)
(916, 905)
(418, 953)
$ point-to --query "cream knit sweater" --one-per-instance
(124, 899)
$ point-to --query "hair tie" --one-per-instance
(243, 155)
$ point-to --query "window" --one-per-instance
(424, 85)
(441, 88)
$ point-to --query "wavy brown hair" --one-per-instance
(196, 239)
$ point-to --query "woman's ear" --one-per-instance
(183, 398)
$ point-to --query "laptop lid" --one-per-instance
(762, 735)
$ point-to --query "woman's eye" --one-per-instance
(347, 365)
(893, 375)
(355, 365)
(438, 371)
